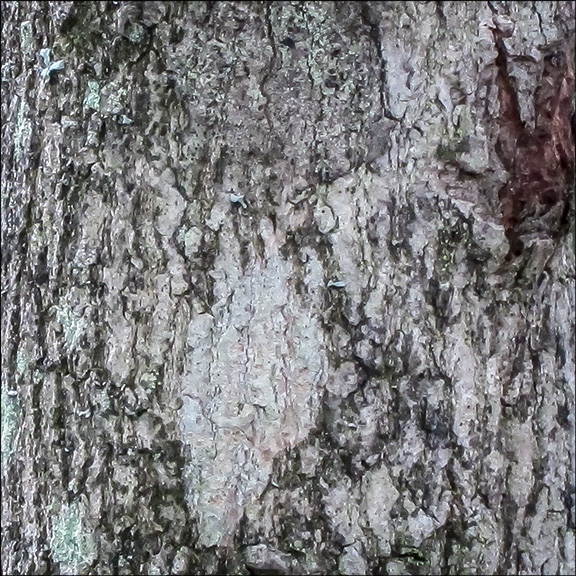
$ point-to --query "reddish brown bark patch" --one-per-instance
(540, 162)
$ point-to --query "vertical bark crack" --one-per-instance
(271, 64)
(374, 32)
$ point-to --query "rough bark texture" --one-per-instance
(288, 288)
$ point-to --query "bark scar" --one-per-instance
(540, 162)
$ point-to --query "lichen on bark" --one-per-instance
(339, 373)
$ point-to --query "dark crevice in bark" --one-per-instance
(371, 20)
(267, 14)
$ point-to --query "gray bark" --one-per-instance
(275, 298)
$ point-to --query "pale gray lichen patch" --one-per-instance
(49, 66)
(72, 324)
(192, 237)
(325, 219)
(113, 97)
(23, 130)
(10, 418)
(154, 570)
(26, 38)
(123, 119)
(22, 362)
(136, 34)
(92, 99)
(72, 546)
(380, 495)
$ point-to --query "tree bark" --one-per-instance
(288, 288)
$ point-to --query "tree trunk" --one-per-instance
(288, 288)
